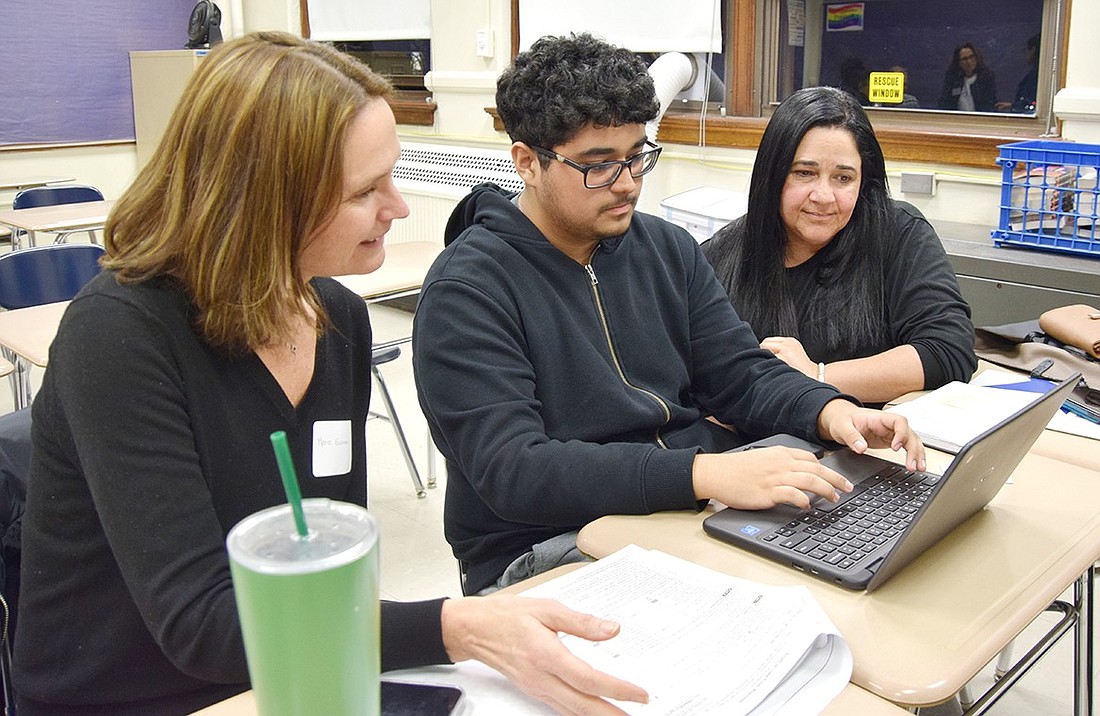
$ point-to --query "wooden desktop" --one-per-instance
(401, 274)
(852, 700)
(923, 635)
(58, 218)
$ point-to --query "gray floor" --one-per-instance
(417, 563)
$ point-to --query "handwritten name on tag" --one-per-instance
(331, 448)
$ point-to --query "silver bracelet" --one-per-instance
(820, 372)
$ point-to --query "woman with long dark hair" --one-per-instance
(968, 84)
(835, 277)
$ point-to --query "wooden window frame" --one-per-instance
(968, 142)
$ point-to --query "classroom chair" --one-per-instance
(38, 275)
(7, 368)
(46, 274)
(51, 196)
(381, 355)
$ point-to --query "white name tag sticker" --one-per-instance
(331, 448)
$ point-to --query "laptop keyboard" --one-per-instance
(874, 513)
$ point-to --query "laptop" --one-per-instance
(892, 515)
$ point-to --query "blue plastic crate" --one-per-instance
(1050, 195)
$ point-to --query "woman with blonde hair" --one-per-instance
(213, 325)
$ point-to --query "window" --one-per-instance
(397, 48)
(773, 47)
(984, 53)
(404, 62)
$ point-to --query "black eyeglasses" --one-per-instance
(601, 174)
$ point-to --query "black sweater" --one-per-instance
(559, 396)
(149, 446)
(922, 304)
(984, 91)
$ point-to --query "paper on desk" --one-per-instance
(954, 414)
(1074, 425)
(674, 632)
(703, 642)
(1062, 421)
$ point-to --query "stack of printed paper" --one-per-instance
(702, 642)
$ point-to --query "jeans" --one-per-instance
(543, 557)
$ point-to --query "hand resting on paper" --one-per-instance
(518, 636)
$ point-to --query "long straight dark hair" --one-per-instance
(748, 254)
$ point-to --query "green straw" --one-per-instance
(290, 481)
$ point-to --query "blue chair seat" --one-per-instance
(46, 274)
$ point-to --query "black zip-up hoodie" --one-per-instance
(559, 393)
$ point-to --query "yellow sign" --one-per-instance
(886, 87)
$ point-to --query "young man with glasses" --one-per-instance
(568, 350)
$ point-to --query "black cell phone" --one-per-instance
(1087, 402)
(401, 698)
(784, 440)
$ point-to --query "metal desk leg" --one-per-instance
(20, 379)
(23, 392)
(13, 382)
(1082, 643)
(1070, 620)
(431, 460)
(384, 393)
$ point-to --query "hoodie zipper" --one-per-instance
(615, 356)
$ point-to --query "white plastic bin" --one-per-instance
(704, 210)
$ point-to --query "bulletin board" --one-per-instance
(66, 65)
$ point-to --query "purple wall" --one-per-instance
(65, 67)
(922, 35)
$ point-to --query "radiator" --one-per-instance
(433, 177)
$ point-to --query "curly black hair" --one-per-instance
(563, 84)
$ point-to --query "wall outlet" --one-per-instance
(918, 183)
(483, 43)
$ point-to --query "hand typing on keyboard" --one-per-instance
(875, 513)
(758, 479)
(860, 428)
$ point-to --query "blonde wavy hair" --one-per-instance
(249, 168)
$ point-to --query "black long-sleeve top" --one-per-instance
(149, 445)
(984, 91)
(560, 393)
(922, 307)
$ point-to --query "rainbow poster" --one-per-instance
(844, 17)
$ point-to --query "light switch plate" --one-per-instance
(483, 43)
